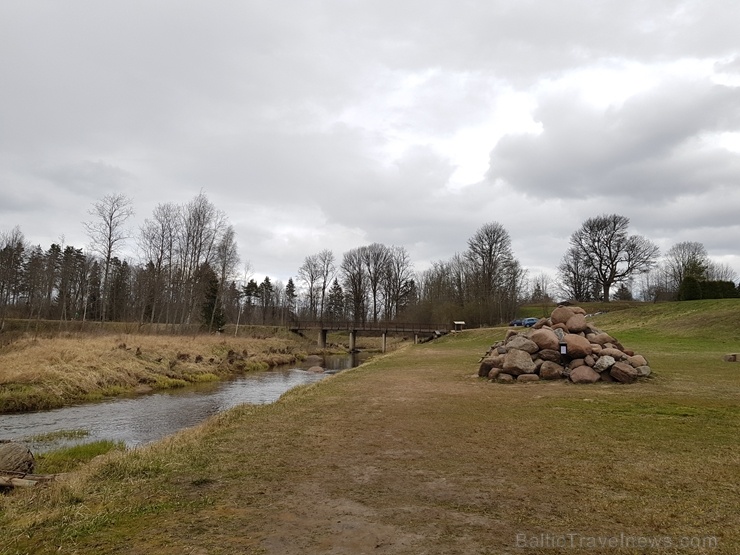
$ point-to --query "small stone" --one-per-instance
(505, 378)
(643, 371)
(528, 378)
(613, 352)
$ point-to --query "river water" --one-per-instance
(145, 418)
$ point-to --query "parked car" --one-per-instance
(529, 322)
(514, 323)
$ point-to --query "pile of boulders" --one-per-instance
(563, 346)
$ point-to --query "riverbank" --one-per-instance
(412, 453)
(43, 373)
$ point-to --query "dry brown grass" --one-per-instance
(51, 372)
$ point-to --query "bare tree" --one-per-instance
(604, 247)
(354, 282)
(310, 274)
(327, 271)
(491, 263)
(684, 259)
(157, 239)
(540, 288)
(397, 281)
(12, 247)
(226, 260)
(576, 280)
(717, 271)
(107, 233)
(201, 228)
(375, 260)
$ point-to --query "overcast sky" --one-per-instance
(318, 124)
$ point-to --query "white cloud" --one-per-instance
(325, 124)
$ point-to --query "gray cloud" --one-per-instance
(650, 147)
(330, 124)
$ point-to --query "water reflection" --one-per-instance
(138, 420)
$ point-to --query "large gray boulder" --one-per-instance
(16, 457)
(523, 344)
(519, 362)
(604, 363)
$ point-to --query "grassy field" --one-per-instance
(412, 453)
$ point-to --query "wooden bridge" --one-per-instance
(382, 328)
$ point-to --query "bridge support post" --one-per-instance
(352, 339)
(385, 341)
(322, 339)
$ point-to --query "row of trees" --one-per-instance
(188, 252)
(484, 284)
(189, 272)
(602, 255)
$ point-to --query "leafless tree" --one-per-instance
(687, 258)
(201, 228)
(354, 281)
(157, 240)
(397, 280)
(717, 271)
(491, 266)
(12, 247)
(576, 280)
(226, 260)
(310, 274)
(604, 247)
(375, 260)
(107, 233)
(327, 271)
(540, 288)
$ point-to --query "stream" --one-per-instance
(149, 417)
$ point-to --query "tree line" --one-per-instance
(603, 255)
(188, 273)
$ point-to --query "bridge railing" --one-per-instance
(397, 327)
